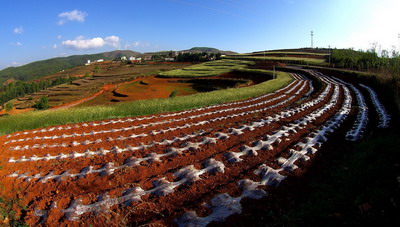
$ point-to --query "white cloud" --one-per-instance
(59, 36)
(18, 30)
(85, 44)
(136, 44)
(74, 15)
(55, 46)
(112, 41)
(16, 44)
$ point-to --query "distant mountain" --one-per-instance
(195, 50)
(42, 68)
(209, 50)
(120, 53)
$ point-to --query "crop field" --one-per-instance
(107, 73)
(293, 60)
(188, 168)
(142, 88)
(208, 69)
(38, 119)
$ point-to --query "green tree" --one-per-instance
(8, 106)
(42, 104)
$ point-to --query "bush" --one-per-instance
(42, 104)
(173, 93)
(8, 106)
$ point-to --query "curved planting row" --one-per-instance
(187, 168)
(384, 117)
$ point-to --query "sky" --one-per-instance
(32, 30)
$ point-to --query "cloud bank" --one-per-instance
(85, 44)
(74, 15)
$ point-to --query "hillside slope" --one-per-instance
(46, 67)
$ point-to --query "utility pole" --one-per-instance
(329, 54)
(312, 41)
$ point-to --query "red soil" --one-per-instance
(56, 195)
(14, 111)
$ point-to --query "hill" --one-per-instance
(209, 50)
(194, 50)
(42, 68)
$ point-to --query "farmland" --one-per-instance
(96, 77)
(152, 148)
(37, 119)
(207, 69)
(302, 57)
(187, 160)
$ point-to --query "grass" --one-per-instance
(38, 119)
(207, 69)
(8, 214)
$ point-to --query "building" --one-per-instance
(88, 62)
(135, 60)
(147, 57)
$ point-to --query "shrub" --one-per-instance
(8, 106)
(42, 104)
(173, 93)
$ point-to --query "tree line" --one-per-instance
(197, 57)
(385, 64)
(368, 61)
(22, 88)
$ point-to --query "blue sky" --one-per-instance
(32, 30)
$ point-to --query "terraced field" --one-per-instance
(188, 168)
(108, 73)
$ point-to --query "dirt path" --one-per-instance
(105, 88)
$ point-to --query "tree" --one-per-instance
(8, 106)
(42, 104)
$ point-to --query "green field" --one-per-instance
(286, 53)
(38, 119)
(289, 60)
(207, 69)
